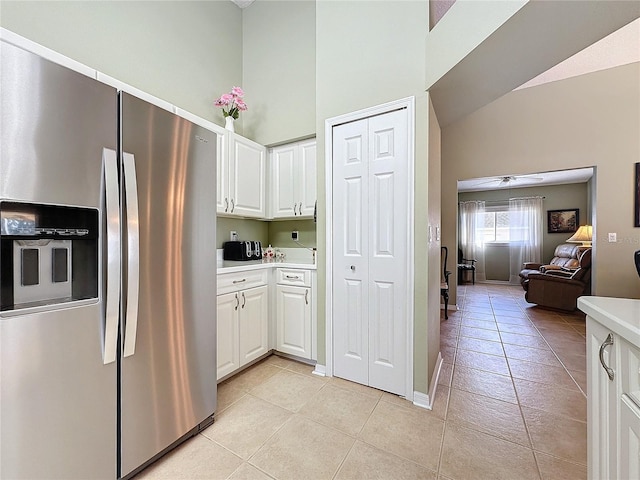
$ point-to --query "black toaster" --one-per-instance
(242, 251)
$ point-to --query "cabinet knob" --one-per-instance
(353, 268)
(605, 344)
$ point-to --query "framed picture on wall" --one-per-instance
(636, 214)
(563, 221)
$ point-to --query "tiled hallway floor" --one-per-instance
(511, 405)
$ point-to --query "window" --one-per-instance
(495, 227)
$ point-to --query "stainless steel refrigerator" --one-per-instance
(107, 263)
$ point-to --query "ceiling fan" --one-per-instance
(509, 181)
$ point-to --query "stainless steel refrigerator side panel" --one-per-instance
(57, 398)
(168, 386)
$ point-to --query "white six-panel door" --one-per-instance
(370, 205)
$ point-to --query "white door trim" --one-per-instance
(409, 104)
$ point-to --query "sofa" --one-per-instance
(564, 256)
(560, 288)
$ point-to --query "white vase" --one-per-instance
(228, 123)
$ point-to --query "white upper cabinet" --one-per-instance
(293, 180)
(241, 177)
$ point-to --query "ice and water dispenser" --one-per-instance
(48, 254)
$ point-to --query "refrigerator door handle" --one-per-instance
(112, 294)
(133, 254)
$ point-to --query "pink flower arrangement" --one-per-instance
(232, 103)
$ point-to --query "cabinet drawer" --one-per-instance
(289, 276)
(232, 282)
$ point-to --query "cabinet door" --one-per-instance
(222, 179)
(306, 180)
(629, 447)
(254, 323)
(227, 334)
(602, 404)
(293, 320)
(284, 202)
(247, 174)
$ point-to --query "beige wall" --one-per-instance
(247, 229)
(280, 233)
(360, 64)
(186, 53)
(590, 120)
(279, 70)
(432, 273)
(276, 233)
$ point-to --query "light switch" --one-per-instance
(613, 237)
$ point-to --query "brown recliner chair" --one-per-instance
(565, 256)
(560, 288)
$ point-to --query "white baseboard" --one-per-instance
(421, 400)
(320, 370)
(426, 400)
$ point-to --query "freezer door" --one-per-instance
(57, 396)
(168, 367)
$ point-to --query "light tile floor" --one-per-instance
(510, 405)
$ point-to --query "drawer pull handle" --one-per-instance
(605, 344)
(244, 300)
(306, 297)
(240, 281)
(237, 302)
(293, 277)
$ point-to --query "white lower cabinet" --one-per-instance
(294, 312)
(243, 319)
(228, 347)
(629, 438)
(258, 312)
(293, 306)
(254, 324)
(602, 404)
(613, 387)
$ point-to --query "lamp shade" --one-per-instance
(583, 235)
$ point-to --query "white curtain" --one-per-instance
(471, 238)
(525, 233)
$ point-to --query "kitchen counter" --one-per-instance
(295, 258)
(620, 315)
(227, 266)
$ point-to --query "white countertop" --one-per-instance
(227, 266)
(620, 315)
(294, 258)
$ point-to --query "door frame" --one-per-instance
(407, 103)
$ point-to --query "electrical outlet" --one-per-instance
(233, 235)
(294, 235)
(613, 237)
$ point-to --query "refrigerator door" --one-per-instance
(168, 366)
(57, 395)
